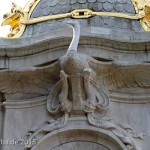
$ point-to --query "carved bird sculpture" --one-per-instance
(75, 82)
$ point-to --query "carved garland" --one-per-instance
(123, 132)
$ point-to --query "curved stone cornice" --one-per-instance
(130, 99)
(83, 131)
(25, 103)
(114, 96)
(89, 37)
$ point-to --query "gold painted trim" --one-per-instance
(22, 26)
(14, 17)
(143, 7)
(22, 17)
(79, 14)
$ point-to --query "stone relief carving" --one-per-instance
(78, 84)
(78, 91)
(85, 82)
(47, 127)
(124, 132)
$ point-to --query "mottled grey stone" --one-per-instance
(97, 6)
(97, 21)
(102, 1)
(56, 9)
(66, 9)
(121, 1)
(63, 2)
(76, 6)
(129, 8)
(80, 146)
(84, 22)
(85, 5)
(46, 11)
(111, 1)
(72, 1)
(107, 6)
(91, 1)
(126, 24)
(36, 14)
(54, 2)
(82, 1)
(118, 7)
(136, 25)
(54, 25)
(90, 6)
(109, 22)
(28, 32)
(43, 28)
(118, 23)
(129, 2)
(44, 4)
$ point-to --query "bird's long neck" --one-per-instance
(76, 36)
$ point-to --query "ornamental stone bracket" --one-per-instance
(86, 96)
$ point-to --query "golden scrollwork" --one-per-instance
(13, 18)
(143, 7)
(19, 17)
(79, 14)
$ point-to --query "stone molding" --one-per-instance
(77, 125)
(33, 45)
(83, 129)
(130, 99)
(26, 103)
(34, 102)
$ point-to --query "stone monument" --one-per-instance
(75, 75)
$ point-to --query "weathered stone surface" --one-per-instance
(80, 146)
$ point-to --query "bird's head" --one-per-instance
(71, 22)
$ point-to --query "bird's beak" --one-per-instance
(65, 22)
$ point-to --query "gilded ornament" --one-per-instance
(19, 17)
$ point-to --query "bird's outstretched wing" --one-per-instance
(32, 80)
(112, 75)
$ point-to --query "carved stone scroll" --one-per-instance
(49, 126)
(123, 132)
